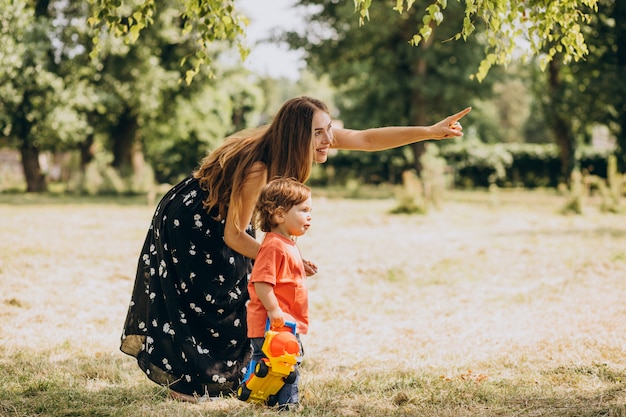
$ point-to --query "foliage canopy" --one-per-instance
(548, 27)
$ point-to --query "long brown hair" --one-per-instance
(285, 147)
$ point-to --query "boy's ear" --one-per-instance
(279, 215)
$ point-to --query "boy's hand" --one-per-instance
(310, 268)
(277, 320)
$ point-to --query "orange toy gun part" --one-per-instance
(284, 343)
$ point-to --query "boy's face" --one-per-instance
(297, 220)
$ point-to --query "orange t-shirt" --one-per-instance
(279, 263)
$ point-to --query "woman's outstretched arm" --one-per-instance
(381, 138)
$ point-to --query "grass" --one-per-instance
(486, 307)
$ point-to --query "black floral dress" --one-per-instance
(186, 323)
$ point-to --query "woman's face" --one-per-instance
(322, 135)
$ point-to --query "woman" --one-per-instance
(186, 323)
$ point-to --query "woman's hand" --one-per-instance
(310, 268)
(450, 126)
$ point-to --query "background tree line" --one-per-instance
(127, 117)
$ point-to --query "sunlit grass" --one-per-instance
(481, 308)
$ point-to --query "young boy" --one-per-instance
(277, 282)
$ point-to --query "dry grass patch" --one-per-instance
(486, 307)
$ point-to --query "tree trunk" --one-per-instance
(86, 152)
(559, 123)
(124, 138)
(619, 14)
(35, 179)
(567, 146)
(419, 106)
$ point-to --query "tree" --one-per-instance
(506, 21)
(549, 27)
(194, 120)
(207, 21)
(381, 79)
(151, 114)
(577, 96)
(600, 77)
(39, 109)
(54, 97)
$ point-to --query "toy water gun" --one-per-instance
(267, 376)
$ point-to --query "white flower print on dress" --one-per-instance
(192, 249)
(188, 198)
(197, 222)
(167, 329)
(202, 351)
(217, 378)
(149, 344)
(176, 223)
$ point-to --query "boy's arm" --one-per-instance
(265, 292)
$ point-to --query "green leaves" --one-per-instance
(547, 27)
(206, 21)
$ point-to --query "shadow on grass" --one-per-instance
(57, 383)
